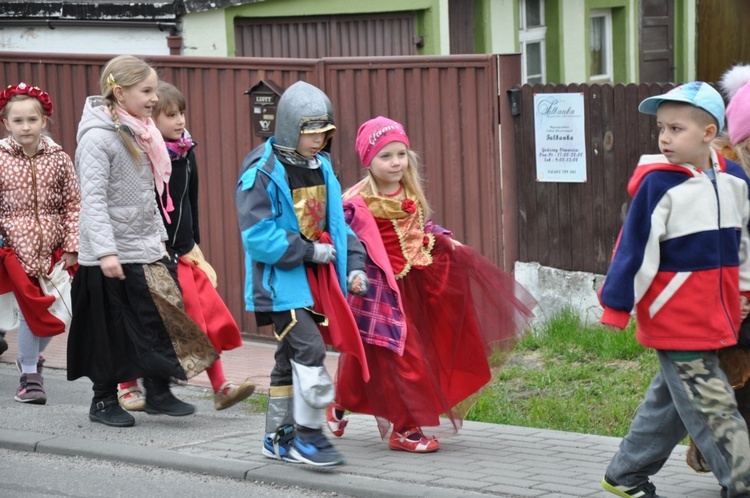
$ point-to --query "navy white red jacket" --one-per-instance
(681, 259)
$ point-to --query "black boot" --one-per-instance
(109, 412)
(3, 343)
(160, 400)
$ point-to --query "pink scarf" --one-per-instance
(149, 139)
(178, 149)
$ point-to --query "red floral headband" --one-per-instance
(31, 91)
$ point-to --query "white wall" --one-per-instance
(84, 40)
(205, 34)
(504, 30)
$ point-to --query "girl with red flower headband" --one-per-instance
(438, 320)
(39, 205)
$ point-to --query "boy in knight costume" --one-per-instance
(300, 260)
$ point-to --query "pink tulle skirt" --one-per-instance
(464, 318)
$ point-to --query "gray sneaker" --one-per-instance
(31, 390)
(315, 450)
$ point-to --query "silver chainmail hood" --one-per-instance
(303, 108)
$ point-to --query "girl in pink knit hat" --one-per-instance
(438, 320)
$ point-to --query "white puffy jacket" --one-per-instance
(119, 214)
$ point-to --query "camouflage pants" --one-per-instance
(690, 394)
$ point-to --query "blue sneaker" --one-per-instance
(277, 447)
(315, 450)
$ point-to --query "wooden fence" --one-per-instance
(573, 226)
(449, 106)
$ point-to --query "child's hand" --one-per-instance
(323, 253)
(612, 328)
(164, 249)
(357, 282)
(69, 259)
(111, 267)
(744, 307)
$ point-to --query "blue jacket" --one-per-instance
(275, 252)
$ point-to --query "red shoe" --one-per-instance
(336, 425)
(401, 441)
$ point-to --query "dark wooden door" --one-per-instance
(656, 53)
(461, 22)
(314, 37)
(723, 36)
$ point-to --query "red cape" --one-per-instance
(32, 302)
(204, 305)
(342, 332)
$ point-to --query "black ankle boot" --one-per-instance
(109, 412)
(167, 404)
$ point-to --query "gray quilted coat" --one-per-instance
(119, 214)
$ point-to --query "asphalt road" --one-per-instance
(37, 475)
(66, 414)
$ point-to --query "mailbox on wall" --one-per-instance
(264, 99)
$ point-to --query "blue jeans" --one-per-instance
(688, 395)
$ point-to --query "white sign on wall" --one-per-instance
(559, 127)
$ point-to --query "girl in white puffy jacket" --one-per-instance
(128, 316)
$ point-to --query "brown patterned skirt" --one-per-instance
(131, 328)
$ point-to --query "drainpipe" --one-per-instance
(174, 42)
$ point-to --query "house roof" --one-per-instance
(110, 9)
(99, 10)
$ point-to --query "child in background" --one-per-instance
(439, 319)
(734, 144)
(684, 241)
(39, 204)
(300, 258)
(197, 278)
(128, 315)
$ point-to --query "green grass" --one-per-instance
(568, 377)
(257, 403)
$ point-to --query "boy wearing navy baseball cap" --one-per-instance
(681, 263)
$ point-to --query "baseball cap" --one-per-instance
(696, 93)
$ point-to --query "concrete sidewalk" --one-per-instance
(483, 460)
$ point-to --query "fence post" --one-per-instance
(509, 75)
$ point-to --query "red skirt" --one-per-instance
(464, 318)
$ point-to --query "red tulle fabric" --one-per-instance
(464, 318)
(204, 305)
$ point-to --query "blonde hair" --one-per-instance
(19, 98)
(412, 181)
(123, 71)
(739, 152)
(169, 97)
